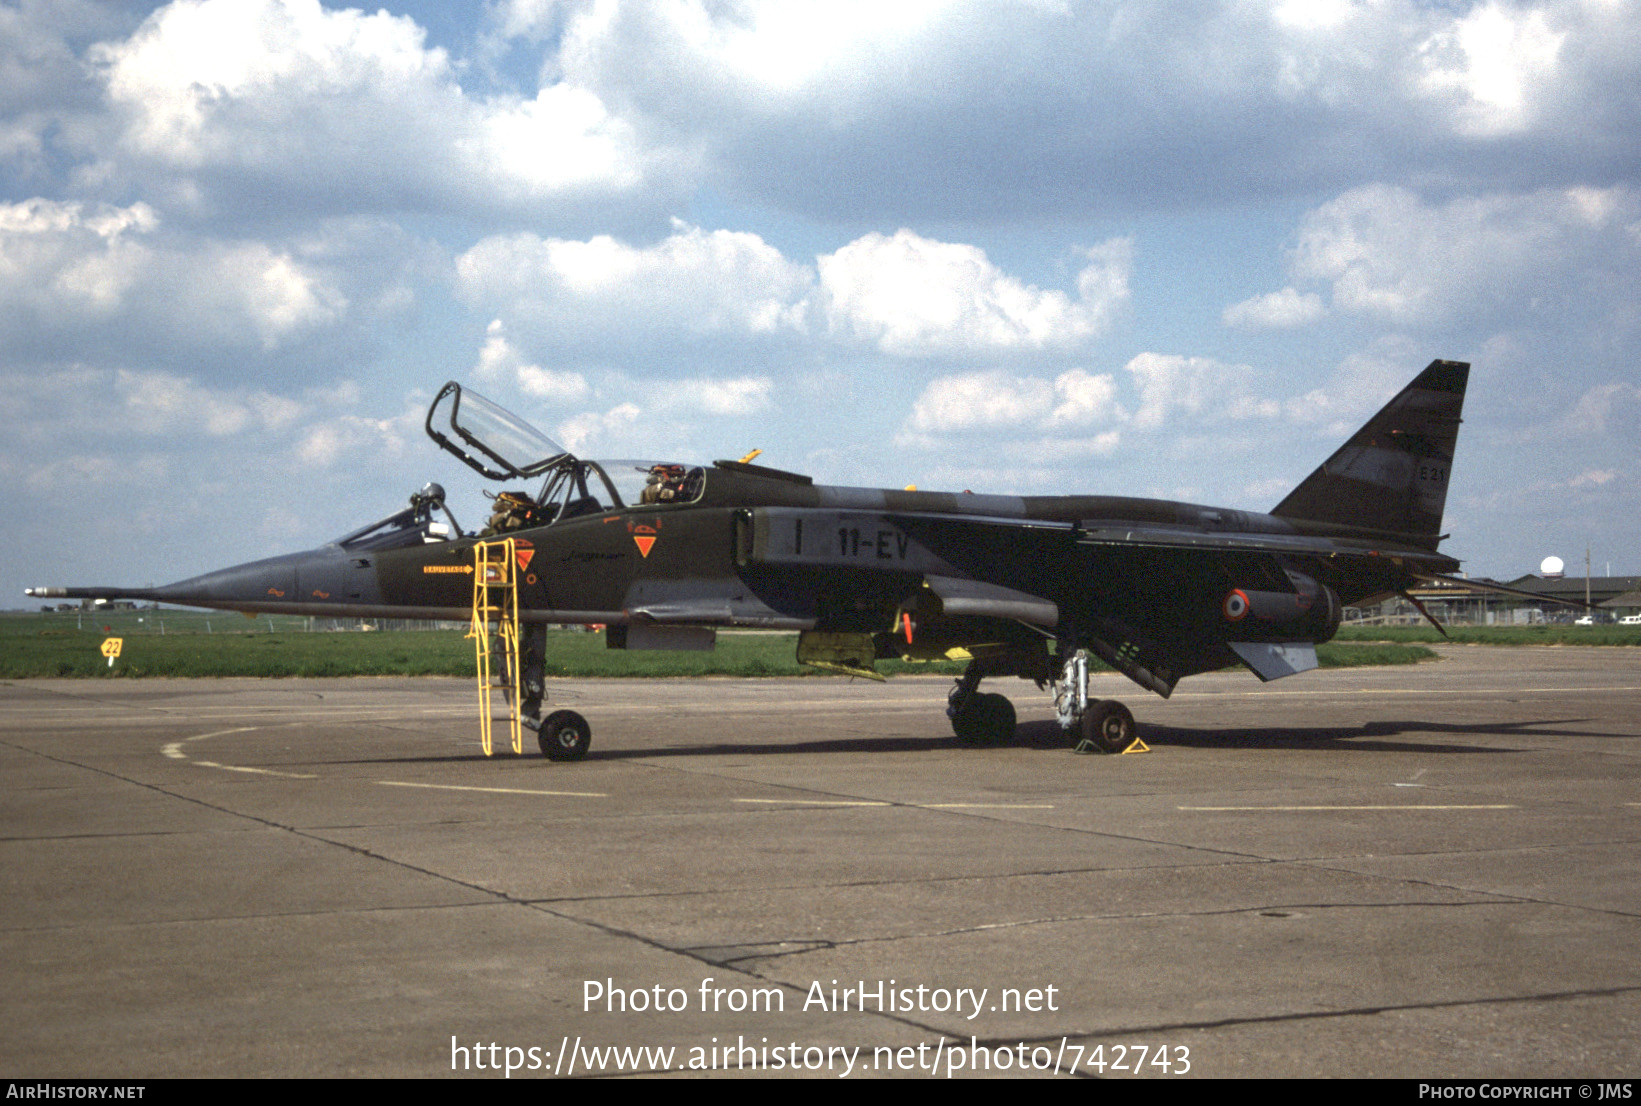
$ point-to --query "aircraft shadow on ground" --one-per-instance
(838, 745)
(1367, 737)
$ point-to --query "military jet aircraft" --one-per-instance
(665, 553)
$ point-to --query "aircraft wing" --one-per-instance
(1101, 533)
(1028, 559)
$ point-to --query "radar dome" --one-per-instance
(1552, 568)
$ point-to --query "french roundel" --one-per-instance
(1236, 605)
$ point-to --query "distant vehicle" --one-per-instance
(1587, 620)
(1630, 620)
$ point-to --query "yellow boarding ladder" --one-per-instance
(496, 603)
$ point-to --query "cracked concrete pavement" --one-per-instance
(1424, 871)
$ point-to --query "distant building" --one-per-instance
(1628, 603)
(1603, 591)
(1462, 604)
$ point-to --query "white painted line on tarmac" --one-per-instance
(496, 790)
(1390, 806)
(174, 749)
(917, 806)
(258, 771)
(175, 752)
(983, 806)
(814, 802)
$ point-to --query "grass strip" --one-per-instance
(54, 646)
(1547, 634)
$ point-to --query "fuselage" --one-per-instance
(858, 553)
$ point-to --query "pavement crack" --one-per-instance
(1507, 896)
(924, 881)
(802, 946)
(1345, 1012)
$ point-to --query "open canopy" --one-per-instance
(493, 441)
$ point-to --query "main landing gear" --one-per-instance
(1090, 725)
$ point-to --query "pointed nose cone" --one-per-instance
(255, 584)
(329, 579)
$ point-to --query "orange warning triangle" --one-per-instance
(523, 556)
(644, 542)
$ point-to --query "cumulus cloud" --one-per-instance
(1170, 385)
(72, 475)
(1606, 408)
(1064, 417)
(54, 408)
(744, 395)
(252, 106)
(934, 106)
(910, 295)
(1357, 387)
(1277, 311)
(1156, 392)
(904, 295)
(1498, 60)
(595, 431)
(691, 282)
(301, 102)
(976, 400)
(1390, 254)
(67, 266)
(44, 88)
(329, 442)
(500, 362)
(161, 403)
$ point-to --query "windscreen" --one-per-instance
(493, 440)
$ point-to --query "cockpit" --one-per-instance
(500, 446)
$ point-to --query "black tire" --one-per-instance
(1108, 726)
(1000, 720)
(963, 711)
(985, 720)
(564, 735)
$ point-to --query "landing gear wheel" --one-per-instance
(985, 720)
(962, 708)
(1001, 721)
(1107, 726)
(564, 735)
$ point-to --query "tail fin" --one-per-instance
(1390, 480)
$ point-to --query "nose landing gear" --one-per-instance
(564, 735)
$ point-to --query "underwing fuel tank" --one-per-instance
(1311, 611)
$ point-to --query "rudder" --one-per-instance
(1390, 479)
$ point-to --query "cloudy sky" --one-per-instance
(1034, 246)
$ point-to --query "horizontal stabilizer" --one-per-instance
(1271, 661)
